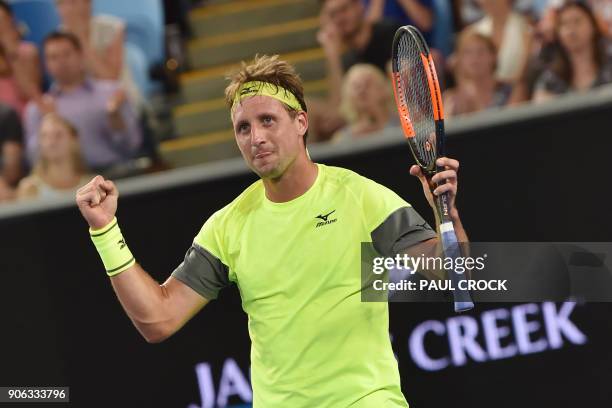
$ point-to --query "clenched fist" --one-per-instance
(97, 201)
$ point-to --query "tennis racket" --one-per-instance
(419, 104)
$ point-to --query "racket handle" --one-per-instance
(463, 300)
(442, 201)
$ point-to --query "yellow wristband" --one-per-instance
(115, 254)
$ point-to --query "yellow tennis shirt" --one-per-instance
(297, 266)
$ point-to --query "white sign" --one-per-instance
(524, 329)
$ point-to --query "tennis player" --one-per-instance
(291, 243)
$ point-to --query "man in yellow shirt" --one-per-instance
(291, 242)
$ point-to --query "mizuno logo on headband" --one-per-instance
(279, 93)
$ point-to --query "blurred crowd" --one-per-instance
(488, 54)
(75, 102)
(74, 105)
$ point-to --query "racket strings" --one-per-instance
(416, 93)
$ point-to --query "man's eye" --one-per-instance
(243, 128)
(267, 120)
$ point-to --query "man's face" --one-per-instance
(346, 15)
(269, 138)
(64, 62)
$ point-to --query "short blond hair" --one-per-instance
(347, 108)
(270, 69)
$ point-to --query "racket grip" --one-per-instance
(462, 299)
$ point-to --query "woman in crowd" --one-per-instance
(367, 105)
(20, 71)
(59, 167)
(511, 34)
(476, 87)
(581, 62)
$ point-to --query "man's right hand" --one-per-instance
(330, 40)
(97, 201)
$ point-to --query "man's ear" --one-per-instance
(301, 120)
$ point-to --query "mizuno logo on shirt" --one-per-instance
(425, 226)
(325, 219)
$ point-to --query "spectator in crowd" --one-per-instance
(476, 86)
(347, 38)
(367, 104)
(581, 62)
(511, 35)
(20, 72)
(543, 45)
(435, 27)
(99, 109)
(101, 38)
(345, 26)
(11, 142)
(469, 11)
(59, 167)
(602, 9)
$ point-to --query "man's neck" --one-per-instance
(294, 182)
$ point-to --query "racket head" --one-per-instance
(418, 97)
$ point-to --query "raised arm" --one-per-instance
(449, 176)
(421, 15)
(433, 247)
(375, 10)
(156, 310)
(329, 39)
(122, 122)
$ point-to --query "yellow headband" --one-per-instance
(279, 93)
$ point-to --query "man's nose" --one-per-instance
(257, 136)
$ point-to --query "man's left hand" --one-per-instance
(431, 187)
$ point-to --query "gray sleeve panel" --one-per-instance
(202, 272)
(402, 229)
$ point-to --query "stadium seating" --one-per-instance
(226, 33)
